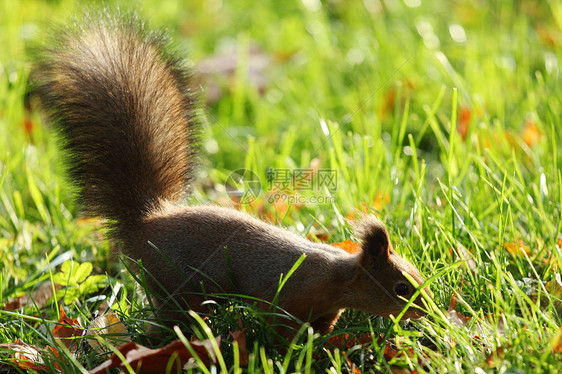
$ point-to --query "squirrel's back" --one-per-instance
(125, 114)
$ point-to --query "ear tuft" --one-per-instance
(374, 237)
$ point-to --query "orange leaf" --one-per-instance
(30, 357)
(348, 246)
(354, 368)
(28, 126)
(346, 342)
(517, 249)
(364, 208)
(66, 330)
(146, 360)
(380, 200)
(557, 346)
(530, 133)
(464, 121)
(318, 235)
(389, 352)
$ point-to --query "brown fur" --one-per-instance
(124, 111)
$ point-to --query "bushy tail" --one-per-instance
(125, 113)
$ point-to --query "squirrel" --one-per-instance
(125, 111)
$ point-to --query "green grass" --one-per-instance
(392, 86)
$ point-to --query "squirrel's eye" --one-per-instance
(402, 289)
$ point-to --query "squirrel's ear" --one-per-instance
(374, 238)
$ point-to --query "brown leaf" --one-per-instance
(319, 234)
(557, 340)
(554, 287)
(364, 208)
(39, 297)
(239, 336)
(354, 368)
(108, 324)
(465, 115)
(67, 330)
(346, 341)
(28, 126)
(530, 133)
(494, 356)
(456, 318)
(390, 352)
(380, 200)
(30, 357)
(488, 325)
(146, 360)
(517, 249)
(549, 35)
(348, 246)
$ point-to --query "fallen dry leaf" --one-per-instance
(348, 246)
(352, 366)
(395, 370)
(389, 98)
(380, 200)
(239, 336)
(494, 356)
(489, 325)
(67, 330)
(39, 297)
(363, 209)
(463, 123)
(456, 318)
(549, 35)
(30, 357)
(28, 126)
(557, 342)
(144, 360)
(319, 234)
(517, 249)
(346, 341)
(554, 286)
(110, 327)
(530, 133)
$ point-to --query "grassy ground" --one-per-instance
(441, 117)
